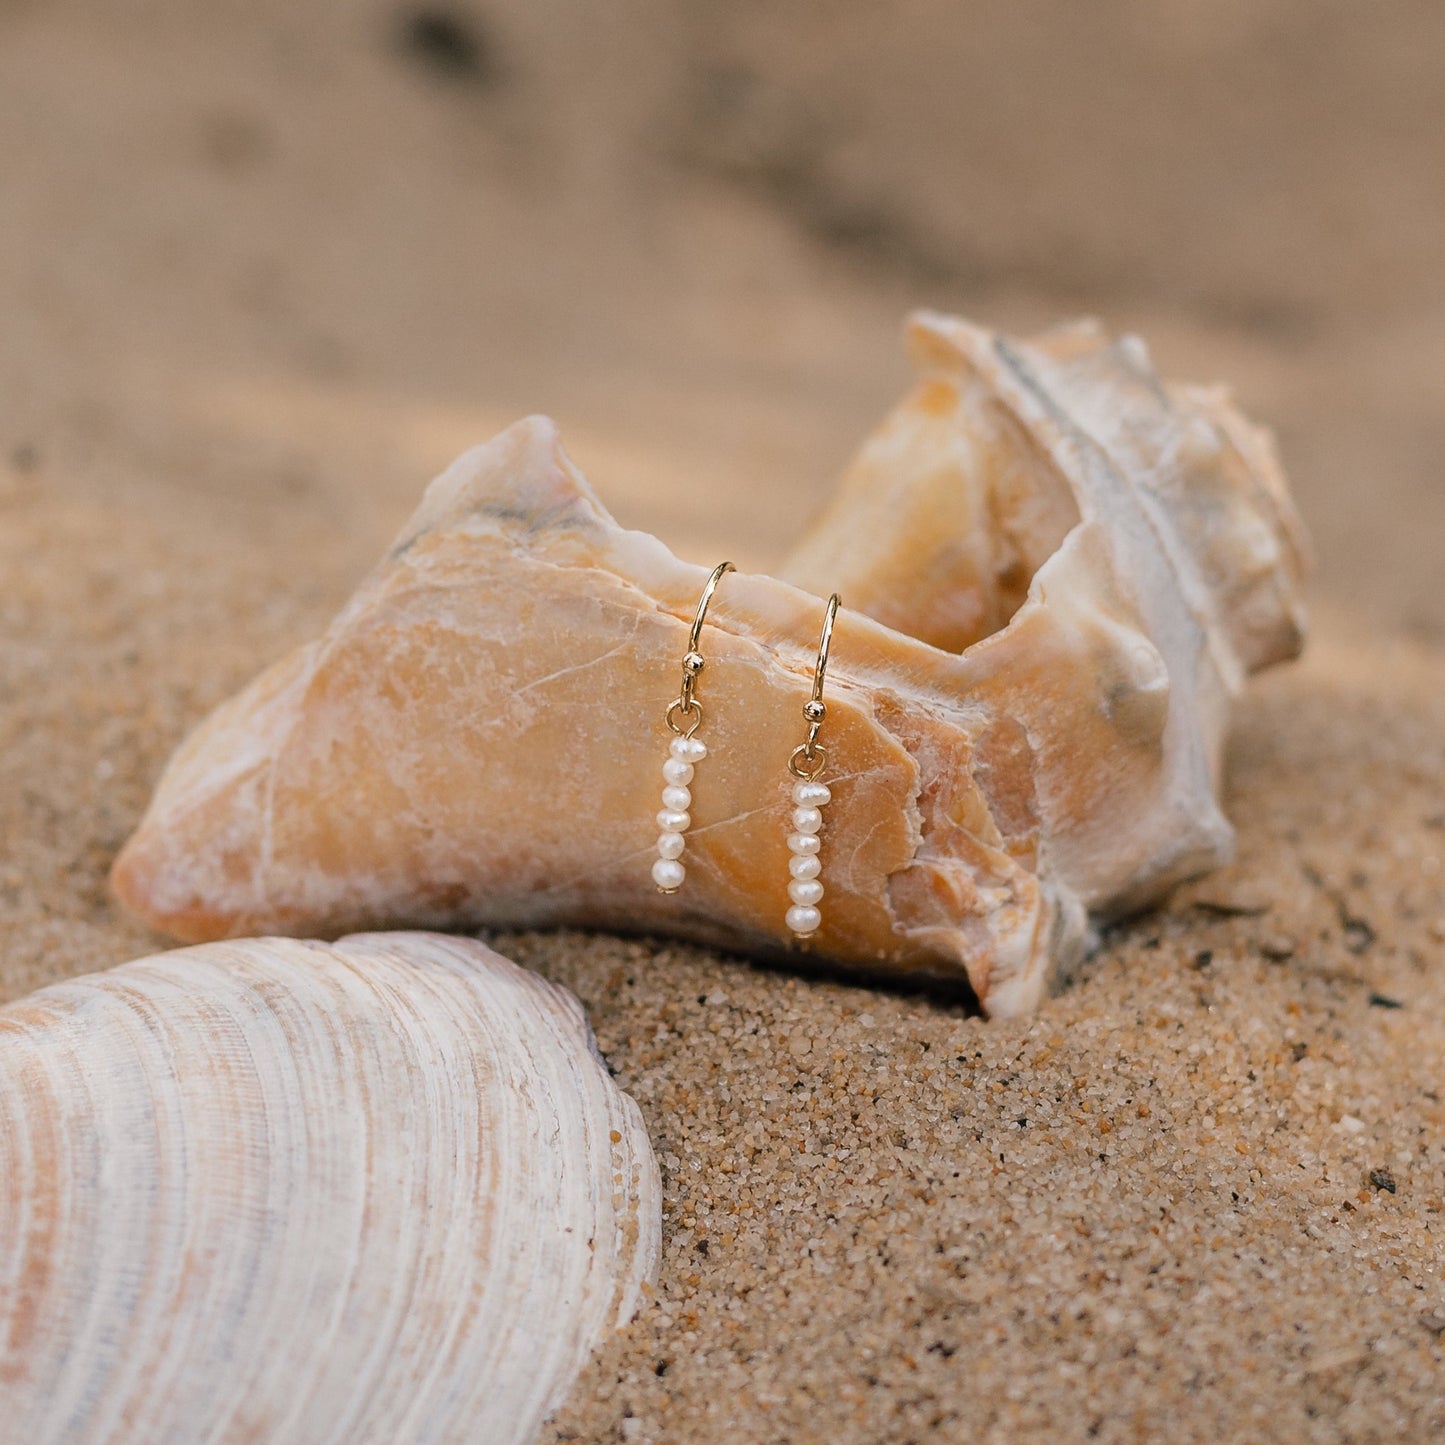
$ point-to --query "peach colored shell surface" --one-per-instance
(1057, 572)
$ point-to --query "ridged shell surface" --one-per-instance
(381, 1190)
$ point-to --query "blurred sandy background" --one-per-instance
(265, 267)
(285, 259)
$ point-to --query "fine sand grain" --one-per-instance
(264, 271)
(1200, 1196)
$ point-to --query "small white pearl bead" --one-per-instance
(807, 820)
(812, 795)
(677, 772)
(670, 820)
(806, 866)
(678, 799)
(668, 874)
(688, 750)
(804, 842)
(802, 919)
(805, 891)
(670, 845)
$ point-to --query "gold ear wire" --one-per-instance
(684, 717)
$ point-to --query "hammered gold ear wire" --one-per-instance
(810, 797)
(684, 717)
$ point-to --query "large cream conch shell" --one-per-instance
(376, 1191)
(1073, 568)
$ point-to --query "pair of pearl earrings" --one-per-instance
(805, 764)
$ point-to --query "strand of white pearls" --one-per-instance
(809, 800)
(675, 817)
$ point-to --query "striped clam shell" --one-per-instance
(377, 1190)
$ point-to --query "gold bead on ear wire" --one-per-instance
(684, 717)
(810, 797)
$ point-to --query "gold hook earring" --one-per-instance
(684, 717)
(810, 797)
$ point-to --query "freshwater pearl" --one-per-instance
(812, 795)
(806, 865)
(675, 817)
(688, 750)
(807, 820)
(677, 772)
(802, 919)
(805, 891)
(804, 842)
(668, 874)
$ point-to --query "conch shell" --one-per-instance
(476, 740)
(277, 1190)
(1112, 553)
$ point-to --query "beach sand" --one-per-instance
(264, 272)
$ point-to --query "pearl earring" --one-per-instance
(806, 764)
(684, 717)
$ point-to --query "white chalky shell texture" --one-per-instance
(375, 1191)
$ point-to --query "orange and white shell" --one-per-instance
(1056, 572)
